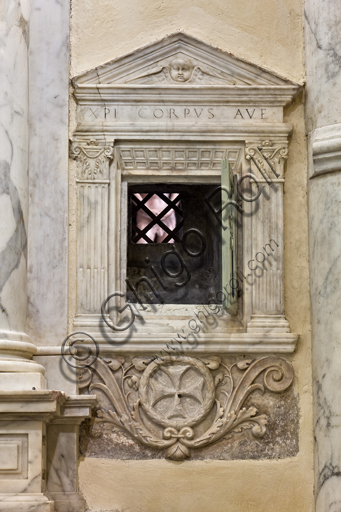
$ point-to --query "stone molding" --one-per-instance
(264, 335)
(16, 358)
(75, 409)
(51, 406)
(326, 149)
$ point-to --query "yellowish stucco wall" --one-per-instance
(268, 33)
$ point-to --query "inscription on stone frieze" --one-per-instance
(179, 114)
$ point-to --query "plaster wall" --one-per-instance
(266, 33)
(269, 34)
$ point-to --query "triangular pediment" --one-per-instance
(180, 59)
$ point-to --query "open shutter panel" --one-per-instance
(229, 238)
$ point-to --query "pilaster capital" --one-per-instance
(268, 157)
(93, 158)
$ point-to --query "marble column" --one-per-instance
(323, 119)
(17, 370)
(47, 276)
(48, 180)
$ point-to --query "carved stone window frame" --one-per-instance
(119, 107)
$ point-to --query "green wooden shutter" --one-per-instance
(229, 238)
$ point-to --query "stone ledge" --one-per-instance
(75, 409)
(224, 343)
(25, 503)
(22, 405)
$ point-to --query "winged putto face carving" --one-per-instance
(182, 70)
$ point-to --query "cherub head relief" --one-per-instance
(181, 69)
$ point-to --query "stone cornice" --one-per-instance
(280, 95)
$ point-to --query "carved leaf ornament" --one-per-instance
(92, 158)
(180, 403)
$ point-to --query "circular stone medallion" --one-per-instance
(177, 391)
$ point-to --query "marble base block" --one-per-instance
(35, 459)
(67, 502)
(18, 372)
(22, 381)
(25, 503)
(268, 324)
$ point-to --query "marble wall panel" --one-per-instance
(62, 458)
(28, 476)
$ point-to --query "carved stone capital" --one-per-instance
(179, 403)
(267, 158)
(93, 159)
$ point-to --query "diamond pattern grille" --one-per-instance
(156, 218)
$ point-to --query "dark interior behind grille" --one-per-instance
(145, 252)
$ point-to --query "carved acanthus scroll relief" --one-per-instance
(181, 403)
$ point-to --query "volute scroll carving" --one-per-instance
(93, 159)
(180, 403)
(267, 157)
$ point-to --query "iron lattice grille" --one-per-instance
(162, 225)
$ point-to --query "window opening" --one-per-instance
(173, 259)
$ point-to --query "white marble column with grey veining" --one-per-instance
(323, 119)
(17, 371)
(48, 232)
(48, 183)
(47, 280)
